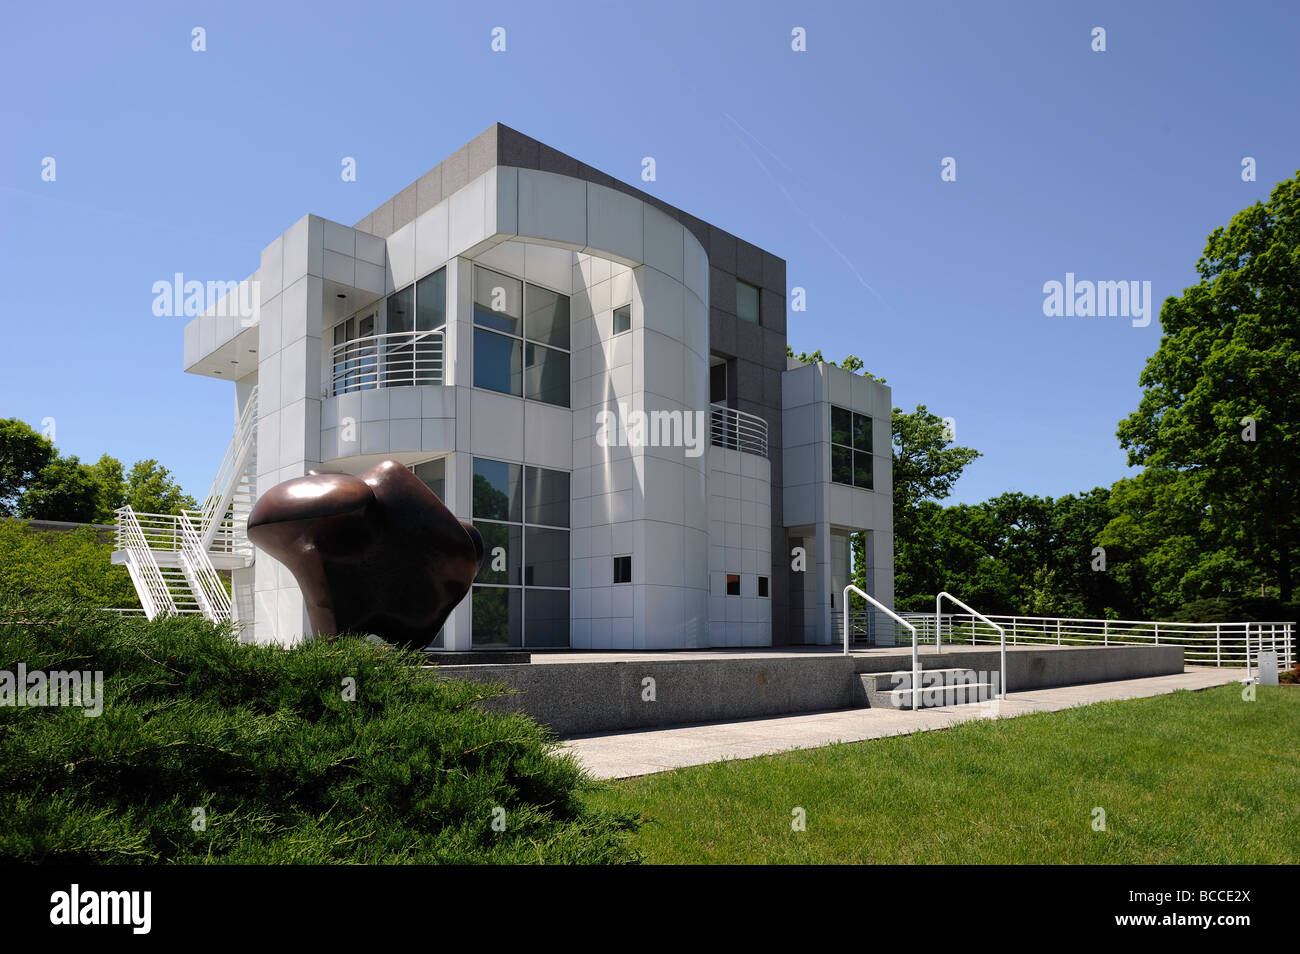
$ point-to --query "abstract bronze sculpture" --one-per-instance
(375, 553)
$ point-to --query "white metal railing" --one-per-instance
(150, 586)
(200, 574)
(738, 430)
(400, 359)
(938, 632)
(162, 531)
(216, 505)
(1205, 644)
(916, 659)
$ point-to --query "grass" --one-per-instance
(336, 751)
(1188, 778)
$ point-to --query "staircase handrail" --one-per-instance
(202, 576)
(938, 635)
(232, 466)
(916, 660)
(150, 586)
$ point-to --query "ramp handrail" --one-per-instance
(938, 634)
(916, 662)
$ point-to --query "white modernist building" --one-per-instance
(598, 381)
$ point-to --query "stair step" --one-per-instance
(929, 677)
(981, 690)
(938, 687)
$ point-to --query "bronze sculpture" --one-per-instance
(374, 553)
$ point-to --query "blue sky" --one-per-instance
(1114, 166)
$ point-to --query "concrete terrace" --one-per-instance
(628, 754)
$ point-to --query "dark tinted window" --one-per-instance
(547, 496)
(497, 490)
(546, 375)
(431, 301)
(622, 319)
(547, 560)
(498, 301)
(498, 363)
(548, 617)
(547, 320)
(747, 302)
(401, 310)
(622, 569)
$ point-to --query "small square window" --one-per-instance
(733, 584)
(747, 307)
(623, 569)
(622, 319)
(762, 586)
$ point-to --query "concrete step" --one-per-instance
(938, 687)
(929, 677)
(934, 696)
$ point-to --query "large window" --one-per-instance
(747, 307)
(355, 358)
(851, 448)
(521, 595)
(368, 361)
(521, 338)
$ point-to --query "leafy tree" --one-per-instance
(1221, 407)
(150, 488)
(23, 454)
(63, 490)
(853, 364)
(110, 487)
(1162, 547)
(926, 463)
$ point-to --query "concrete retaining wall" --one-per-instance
(574, 698)
(1047, 667)
(581, 697)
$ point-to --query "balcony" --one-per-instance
(737, 430)
(400, 360)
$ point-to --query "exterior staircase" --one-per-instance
(173, 559)
(937, 687)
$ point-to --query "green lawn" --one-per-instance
(1187, 778)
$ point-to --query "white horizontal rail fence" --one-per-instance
(1204, 644)
(738, 430)
(867, 627)
(972, 615)
(200, 574)
(150, 585)
(397, 360)
(162, 531)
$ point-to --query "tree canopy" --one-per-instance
(1209, 528)
(1219, 416)
(39, 483)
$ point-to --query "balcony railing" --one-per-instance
(399, 360)
(737, 430)
(162, 531)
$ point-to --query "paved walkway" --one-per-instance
(643, 752)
